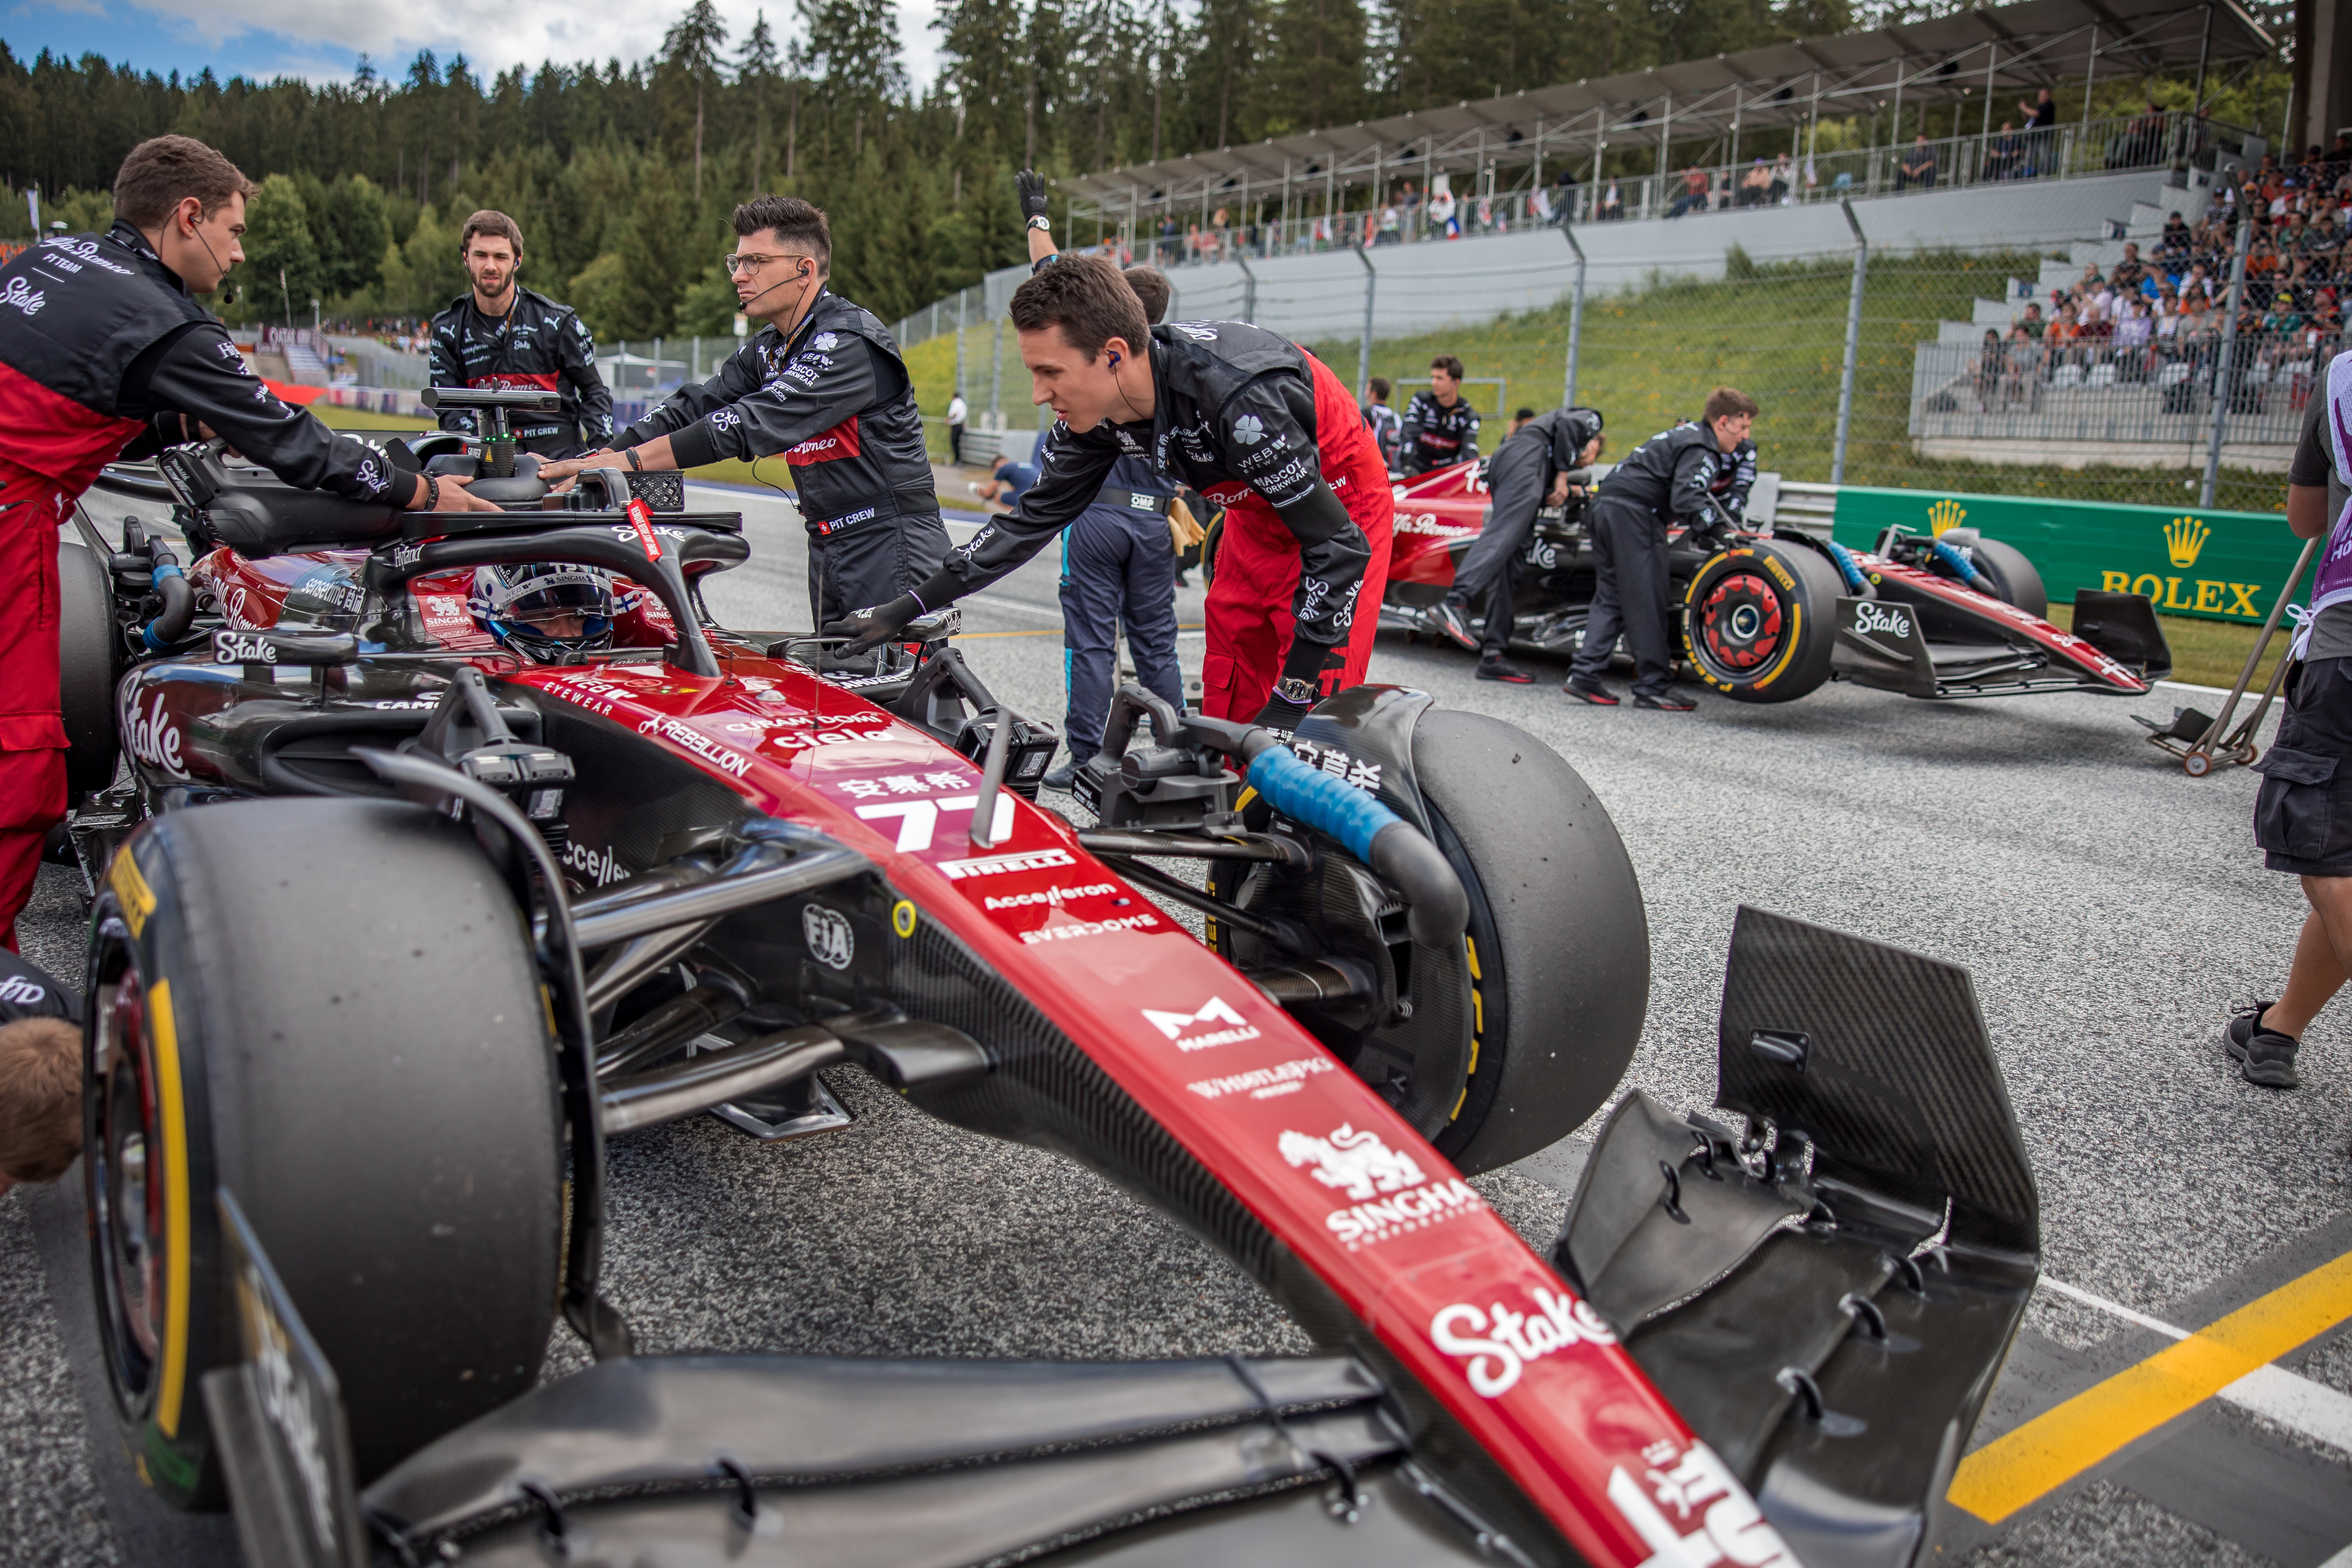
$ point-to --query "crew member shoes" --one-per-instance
(1447, 619)
(2264, 1056)
(1062, 778)
(1671, 702)
(1598, 696)
(1500, 668)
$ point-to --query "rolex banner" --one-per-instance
(2218, 565)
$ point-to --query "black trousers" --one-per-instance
(955, 444)
(1629, 599)
(1491, 567)
(873, 564)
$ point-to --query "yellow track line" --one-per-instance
(2058, 1445)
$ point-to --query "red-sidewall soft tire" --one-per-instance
(1759, 621)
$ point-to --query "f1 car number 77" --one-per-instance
(918, 820)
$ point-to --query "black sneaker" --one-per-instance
(1447, 621)
(1598, 696)
(1671, 702)
(1504, 670)
(2264, 1056)
(1062, 778)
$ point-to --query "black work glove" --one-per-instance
(869, 629)
(1305, 671)
(1031, 185)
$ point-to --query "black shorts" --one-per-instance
(2303, 813)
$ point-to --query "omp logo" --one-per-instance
(1357, 1162)
(1249, 429)
(1945, 514)
(1713, 1518)
(1876, 619)
(1176, 1024)
(1498, 1341)
(2184, 539)
(21, 991)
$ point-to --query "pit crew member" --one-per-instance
(1253, 421)
(2302, 820)
(1529, 471)
(1698, 474)
(105, 353)
(40, 1074)
(823, 384)
(1387, 428)
(504, 337)
(1440, 426)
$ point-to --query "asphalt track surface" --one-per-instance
(2110, 909)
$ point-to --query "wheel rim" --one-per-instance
(126, 1194)
(1739, 624)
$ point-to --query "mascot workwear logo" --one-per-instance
(1880, 619)
(1496, 1342)
(1357, 1164)
(2184, 539)
(830, 940)
(1713, 1518)
(1176, 1025)
(1945, 514)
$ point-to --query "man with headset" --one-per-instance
(105, 353)
(822, 384)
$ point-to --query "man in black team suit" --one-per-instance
(503, 337)
(1441, 429)
(821, 383)
(1529, 471)
(1697, 474)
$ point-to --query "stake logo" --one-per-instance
(242, 647)
(1872, 619)
(1713, 1518)
(1498, 1341)
(154, 740)
(1175, 1025)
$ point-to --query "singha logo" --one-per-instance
(2184, 539)
(1945, 514)
(1357, 1164)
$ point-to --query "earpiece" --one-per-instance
(1114, 357)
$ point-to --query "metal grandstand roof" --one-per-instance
(2013, 48)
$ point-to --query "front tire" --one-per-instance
(1759, 621)
(329, 1007)
(2012, 575)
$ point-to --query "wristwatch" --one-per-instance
(1040, 221)
(1296, 691)
(635, 467)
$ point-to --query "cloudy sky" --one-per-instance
(303, 37)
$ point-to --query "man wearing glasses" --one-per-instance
(822, 385)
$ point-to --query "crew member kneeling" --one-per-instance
(1697, 474)
(821, 383)
(1250, 420)
(105, 353)
(1529, 472)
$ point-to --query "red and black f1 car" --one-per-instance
(391, 935)
(1775, 614)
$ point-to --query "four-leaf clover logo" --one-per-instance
(1249, 430)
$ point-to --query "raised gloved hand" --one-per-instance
(1307, 672)
(1031, 185)
(868, 629)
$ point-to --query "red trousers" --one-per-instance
(32, 728)
(1249, 619)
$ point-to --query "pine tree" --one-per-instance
(756, 65)
(691, 48)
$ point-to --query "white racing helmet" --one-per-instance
(548, 611)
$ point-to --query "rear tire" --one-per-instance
(2014, 576)
(1759, 621)
(86, 671)
(1559, 939)
(329, 1007)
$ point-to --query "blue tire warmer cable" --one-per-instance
(179, 608)
(1957, 564)
(1843, 558)
(1438, 910)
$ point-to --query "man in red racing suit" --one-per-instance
(104, 353)
(1250, 420)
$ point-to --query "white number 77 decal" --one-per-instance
(918, 820)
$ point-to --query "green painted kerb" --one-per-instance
(2217, 565)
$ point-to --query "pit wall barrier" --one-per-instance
(2212, 565)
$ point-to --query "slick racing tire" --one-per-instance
(327, 1007)
(1558, 941)
(1759, 621)
(86, 644)
(2014, 576)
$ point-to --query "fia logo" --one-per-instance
(830, 940)
(2184, 541)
